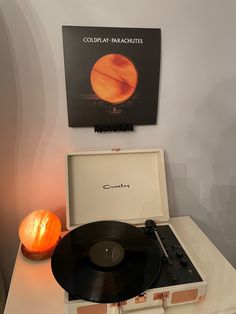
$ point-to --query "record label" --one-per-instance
(106, 253)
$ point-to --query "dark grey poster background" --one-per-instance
(143, 47)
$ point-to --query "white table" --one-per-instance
(34, 290)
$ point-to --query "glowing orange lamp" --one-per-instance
(39, 233)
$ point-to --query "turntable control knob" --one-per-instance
(179, 254)
(175, 246)
(162, 236)
(149, 224)
(174, 277)
(170, 252)
(184, 262)
(170, 262)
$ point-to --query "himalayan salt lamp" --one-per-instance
(39, 233)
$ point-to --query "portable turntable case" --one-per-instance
(127, 186)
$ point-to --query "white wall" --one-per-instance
(196, 122)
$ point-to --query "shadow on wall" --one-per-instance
(2, 295)
(9, 100)
(214, 141)
(204, 185)
(217, 220)
(61, 214)
(23, 121)
(220, 227)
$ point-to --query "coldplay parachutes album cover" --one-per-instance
(112, 75)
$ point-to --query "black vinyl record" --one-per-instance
(106, 262)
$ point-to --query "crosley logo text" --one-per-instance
(108, 186)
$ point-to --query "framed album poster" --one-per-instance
(112, 75)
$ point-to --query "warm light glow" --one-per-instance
(114, 78)
(40, 231)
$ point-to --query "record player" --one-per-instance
(121, 254)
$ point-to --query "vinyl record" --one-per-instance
(106, 262)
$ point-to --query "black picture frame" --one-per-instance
(83, 46)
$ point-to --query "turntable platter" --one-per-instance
(106, 262)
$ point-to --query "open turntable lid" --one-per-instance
(125, 185)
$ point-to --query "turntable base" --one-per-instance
(34, 290)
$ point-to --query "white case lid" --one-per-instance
(126, 185)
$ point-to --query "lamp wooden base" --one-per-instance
(37, 256)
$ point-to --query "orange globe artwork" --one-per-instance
(114, 78)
